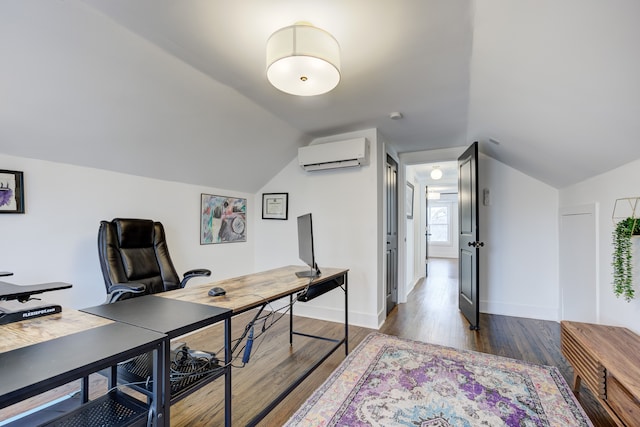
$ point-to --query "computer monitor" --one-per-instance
(305, 246)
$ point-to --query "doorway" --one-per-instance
(432, 233)
(391, 280)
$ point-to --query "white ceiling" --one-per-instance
(177, 89)
(448, 182)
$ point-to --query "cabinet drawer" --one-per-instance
(623, 403)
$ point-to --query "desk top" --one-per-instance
(33, 331)
(171, 317)
(252, 290)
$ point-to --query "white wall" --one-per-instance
(56, 239)
(412, 233)
(519, 262)
(346, 211)
(603, 190)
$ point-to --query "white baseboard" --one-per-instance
(520, 310)
(336, 315)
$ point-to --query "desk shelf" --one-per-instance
(138, 369)
(115, 409)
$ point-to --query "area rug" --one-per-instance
(388, 381)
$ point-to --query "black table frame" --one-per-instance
(31, 370)
(326, 285)
(173, 318)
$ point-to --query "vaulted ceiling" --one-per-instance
(177, 89)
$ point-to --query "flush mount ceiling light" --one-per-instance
(303, 60)
(436, 173)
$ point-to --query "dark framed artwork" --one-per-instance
(409, 200)
(275, 206)
(11, 192)
(222, 219)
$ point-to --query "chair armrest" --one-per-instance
(120, 290)
(198, 272)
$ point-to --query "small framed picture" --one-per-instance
(409, 200)
(275, 206)
(11, 192)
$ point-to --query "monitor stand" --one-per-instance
(15, 311)
(16, 302)
(312, 273)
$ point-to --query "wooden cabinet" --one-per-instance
(607, 359)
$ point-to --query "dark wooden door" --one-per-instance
(468, 289)
(391, 280)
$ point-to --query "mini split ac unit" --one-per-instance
(334, 155)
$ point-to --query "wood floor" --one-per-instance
(430, 315)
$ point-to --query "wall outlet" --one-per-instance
(486, 197)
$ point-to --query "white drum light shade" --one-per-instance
(436, 173)
(303, 60)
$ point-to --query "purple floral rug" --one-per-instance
(388, 381)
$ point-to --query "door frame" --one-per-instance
(408, 159)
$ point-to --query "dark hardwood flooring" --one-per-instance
(430, 315)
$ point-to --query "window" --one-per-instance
(440, 223)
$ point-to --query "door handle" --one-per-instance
(476, 244)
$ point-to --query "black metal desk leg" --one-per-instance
(84, 388)
(227, 372)
(290, 320)
(346, 314)
(159, 388)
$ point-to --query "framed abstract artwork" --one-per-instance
(11, 192)
(222, 219)
(275, 206)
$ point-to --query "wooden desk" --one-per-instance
(40, 329)
(251, 291)
(47, 352)
(257, 290)
(607, 359)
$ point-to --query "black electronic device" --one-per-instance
(217, 291)
(9, 291)
(305, 246)
(16, 303)
(314, 291)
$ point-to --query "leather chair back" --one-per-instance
(135, 250)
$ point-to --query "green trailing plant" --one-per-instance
(622, 257)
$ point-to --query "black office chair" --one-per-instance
(135, 260)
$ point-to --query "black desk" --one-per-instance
(34, 369)
(173, 318)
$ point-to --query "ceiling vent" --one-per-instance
(334, 155)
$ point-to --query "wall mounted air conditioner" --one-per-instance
(333, 155)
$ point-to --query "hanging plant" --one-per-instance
(622, 258)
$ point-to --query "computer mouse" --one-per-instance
(217, 291)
